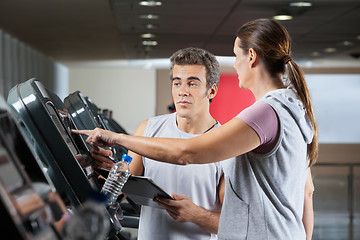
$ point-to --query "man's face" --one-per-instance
(189, 90)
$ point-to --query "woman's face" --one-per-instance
(241, 65)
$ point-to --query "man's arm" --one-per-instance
(308, 214)
(182, 209)
(136, 165)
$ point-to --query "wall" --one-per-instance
(129, 92)
(335, 98)
(163, 89)
(20, 62)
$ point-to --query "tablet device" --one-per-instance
(142, 190)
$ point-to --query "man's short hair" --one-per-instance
(197, 56)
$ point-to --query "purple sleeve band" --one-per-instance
(263, 119)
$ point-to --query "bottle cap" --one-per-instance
(98, 197)
(126, 158)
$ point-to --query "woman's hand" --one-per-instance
(99, 138)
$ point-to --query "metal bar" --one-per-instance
(351, 202)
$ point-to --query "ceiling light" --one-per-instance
(149, 43)
(151, 26)
(283, 17)
(315, 54)
(347, 43)
(300, 4)
(330, 50)
(150, 3)
(147, 35)
(149, 16)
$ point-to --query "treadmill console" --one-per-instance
(46, 123)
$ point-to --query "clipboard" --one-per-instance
(142, 190)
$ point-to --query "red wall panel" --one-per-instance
(230, 99)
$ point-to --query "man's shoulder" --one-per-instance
(159, 122)
(161, 119)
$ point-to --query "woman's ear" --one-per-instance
(252, 57)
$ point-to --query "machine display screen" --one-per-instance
(62, 130)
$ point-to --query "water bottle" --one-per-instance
(117, 177)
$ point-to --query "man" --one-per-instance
(195, 212)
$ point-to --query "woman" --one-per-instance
(274, 141)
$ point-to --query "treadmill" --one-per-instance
(110, 122)
(87, 115)
(47, 125)
(26, 211)
(63, 156)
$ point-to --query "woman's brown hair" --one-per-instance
(272, 44)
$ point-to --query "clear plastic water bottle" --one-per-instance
(117, 177)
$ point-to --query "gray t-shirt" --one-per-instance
(198, 181)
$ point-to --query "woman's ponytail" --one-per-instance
(296, 77)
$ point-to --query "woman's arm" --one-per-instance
(308, 214)
(102, 161)
(229, 140)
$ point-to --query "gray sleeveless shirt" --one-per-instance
(264, 193)
(198, 181)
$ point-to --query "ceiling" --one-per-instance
(93, 30)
